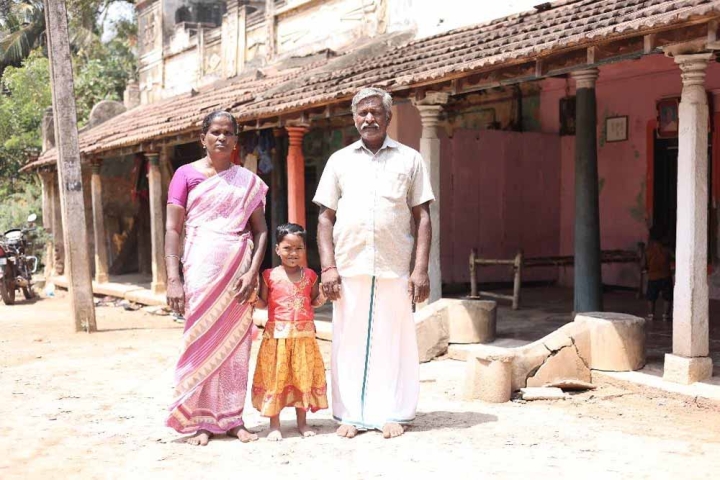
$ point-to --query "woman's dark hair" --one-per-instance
(290, 229)
(220, 113)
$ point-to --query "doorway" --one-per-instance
(664, 189)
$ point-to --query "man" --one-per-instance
(374, 198)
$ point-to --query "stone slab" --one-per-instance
(432, 329)
(686, 370)
(617, 340)
(472, 321)
(565, 364)
(542, 393)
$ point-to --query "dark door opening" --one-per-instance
(665, 178)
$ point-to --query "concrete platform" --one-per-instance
(134, 288)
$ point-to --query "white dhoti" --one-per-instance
(375, 364)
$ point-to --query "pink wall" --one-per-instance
(629, 88)
(500, 193)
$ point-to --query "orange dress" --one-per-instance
(290, 371)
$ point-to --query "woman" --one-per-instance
(220, 205)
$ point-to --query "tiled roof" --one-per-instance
(569, 23)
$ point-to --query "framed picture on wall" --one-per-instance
(667, 110)
(616, 129)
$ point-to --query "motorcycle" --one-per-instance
(16, 265)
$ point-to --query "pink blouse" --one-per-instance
(183, 181)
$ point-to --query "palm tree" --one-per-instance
(22, 29)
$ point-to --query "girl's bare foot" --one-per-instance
(201, 438)
(302, 425)
(275, 434)
(392, 430)
(242, 434)
(347, 431)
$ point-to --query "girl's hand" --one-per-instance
(245, 286)
(176, 296)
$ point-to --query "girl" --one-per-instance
(290, 370)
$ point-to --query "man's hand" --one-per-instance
(331, 284)
(419, 286)
(245, 286)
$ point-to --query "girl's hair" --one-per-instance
(220, 113)
(290, 229)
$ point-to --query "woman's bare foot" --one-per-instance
(392, 430)
(201, 438)
(302, 425)
(242, 434)
(347, 431)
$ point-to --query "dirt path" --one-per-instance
(92, 406)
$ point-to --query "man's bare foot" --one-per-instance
(242, 434)
(347, 431)
(275, 435)
(201, 438)
(392, 430)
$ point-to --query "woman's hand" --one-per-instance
(245, 286)
(176, 296)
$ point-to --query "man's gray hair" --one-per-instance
(373, 92)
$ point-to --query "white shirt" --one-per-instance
(373, 195)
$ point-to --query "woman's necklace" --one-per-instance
(211, 168)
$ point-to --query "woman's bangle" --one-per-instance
(168, 256)
(328, 268)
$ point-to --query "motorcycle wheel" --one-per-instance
(7, 291)
(28, 293)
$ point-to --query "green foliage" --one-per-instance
(16, 207)
(26, 96)
(103, 72)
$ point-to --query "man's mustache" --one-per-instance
(369, 125)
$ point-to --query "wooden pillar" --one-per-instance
(689, 361)
(588, 274)
(157, 226)
(48, 204)
(430, 109)
(58, 238)
(101, 251)
(68, 165)
(296, 175)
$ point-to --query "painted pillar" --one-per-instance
(430, 109)
(689, 361)
(157, 225)
(296, 175)
(101, 251)
(277, 199)
(588, 277)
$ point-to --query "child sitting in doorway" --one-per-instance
(658, 260)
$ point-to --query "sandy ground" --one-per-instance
(92, 406)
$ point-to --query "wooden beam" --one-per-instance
(712, 31)
(648, 43)
(539, 68)
(591, 55)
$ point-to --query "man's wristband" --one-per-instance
(328, 268)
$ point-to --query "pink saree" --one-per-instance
(211, 376)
